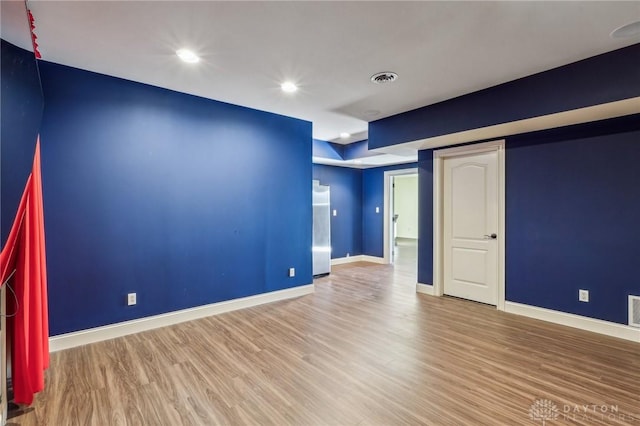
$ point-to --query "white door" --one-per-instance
(470, 214)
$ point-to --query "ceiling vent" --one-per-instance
(384, 77)
(634, 311)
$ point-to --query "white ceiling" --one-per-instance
(330, 49)
(369, 162)
(14, 26)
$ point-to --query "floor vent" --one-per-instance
(634, 311)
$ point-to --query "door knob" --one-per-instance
(492, 236)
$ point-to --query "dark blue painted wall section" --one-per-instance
(372, 197)
(346, 198)
(184, 200)
(572, 223)
(21, 109)
(358, 149)
(324, 149)
(605, 78)
(334, 151)
(425, 217)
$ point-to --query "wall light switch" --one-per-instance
(377, 209)
(335, 212)
(292, 272)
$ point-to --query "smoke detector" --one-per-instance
(384, 77)
(627, 31)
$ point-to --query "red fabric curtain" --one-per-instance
(24, 252)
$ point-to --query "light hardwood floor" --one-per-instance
(364, 349)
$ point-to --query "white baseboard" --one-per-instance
(98, 334)
(425, 288)
(373, 259)
(577, 321)
(343, 260)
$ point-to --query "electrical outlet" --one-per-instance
(348, 254)
(131, 299)
(292, 272)
(583, 295)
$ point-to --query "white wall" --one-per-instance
(405, 204)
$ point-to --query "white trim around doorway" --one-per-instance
(438, 230)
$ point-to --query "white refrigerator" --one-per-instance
(321, 229)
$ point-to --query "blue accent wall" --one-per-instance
(600, 79)
(21, 109)
(572, 223)
(324, 149)
(372, 197)
(358, 149)
(346, 198)
(425, 216)
(184, 200)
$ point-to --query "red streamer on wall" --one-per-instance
(24, 253)
(34, 37)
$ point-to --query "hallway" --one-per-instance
(405, 258)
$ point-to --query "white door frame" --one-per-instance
(438, 203)
(388, 210)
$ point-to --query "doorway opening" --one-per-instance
(404, 220)
(401, 219)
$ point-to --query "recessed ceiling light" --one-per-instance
(384, 77)
(187, 56)
(345, 135)
(631, 29)
(288, 87)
